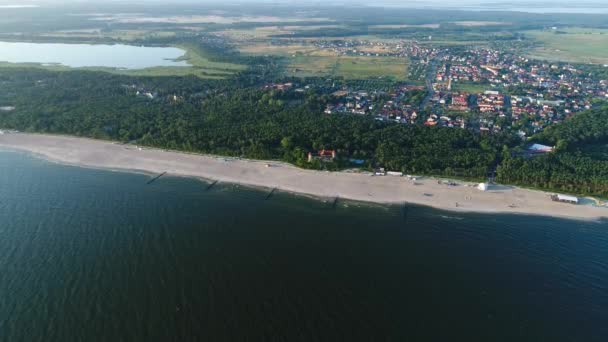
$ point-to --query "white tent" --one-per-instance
(483, 186)
(566, 198)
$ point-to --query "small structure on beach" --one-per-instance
(380, 172)
(483, 186)
(448, 183)
(564, 199)
(322, 155)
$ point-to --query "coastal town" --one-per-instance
(483, 89)
(441, 100)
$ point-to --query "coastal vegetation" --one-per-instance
(241, 120)
(232, 120)
(572, 167)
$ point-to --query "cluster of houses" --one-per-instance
(355, 102)
(498, 69)
(491, 101)
(460, 102)
(445, 121)
(278, 86)
(484, 89)
(519, 92)
(360, 47)
(460, 73)
(508, 92)
(384, 106)
(490, 111)
(488, 107)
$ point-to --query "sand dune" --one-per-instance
(355, 186)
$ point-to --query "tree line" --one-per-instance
(237, 117)
(234, 118)
(569, 168)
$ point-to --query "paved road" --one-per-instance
(430, 77)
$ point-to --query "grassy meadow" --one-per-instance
(470, 87)
(578, 45)
(348, 67)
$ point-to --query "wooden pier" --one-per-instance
(270, 194)
(335, 203)
(156, 178)
(211, 186)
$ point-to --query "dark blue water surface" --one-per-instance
(89, 255)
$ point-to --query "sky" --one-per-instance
(568, 6)
(377, 2)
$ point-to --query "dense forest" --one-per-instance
(231, 118)
(588, 127)
(238, 117)
(570, 168)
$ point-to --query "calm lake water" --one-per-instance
(89, 255)
(85, 55)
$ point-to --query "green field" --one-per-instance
(571, 45)
(470, 87)
(447, 42)
(94, 35)
(348, 67)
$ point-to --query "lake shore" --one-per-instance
(464, 197)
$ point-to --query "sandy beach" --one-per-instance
(347, 185)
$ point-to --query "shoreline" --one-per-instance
(465, 197)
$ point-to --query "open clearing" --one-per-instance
(571, 45)
(93, 35)
(285, 49)
(266, 32)
(199, 19)
(303, 60)
(348, 67)
(470, 87)
(443, 42)
(479, 23)
(398, 26)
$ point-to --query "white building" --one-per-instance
(565, 199)
(538, 148)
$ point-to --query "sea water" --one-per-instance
(91, 255)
